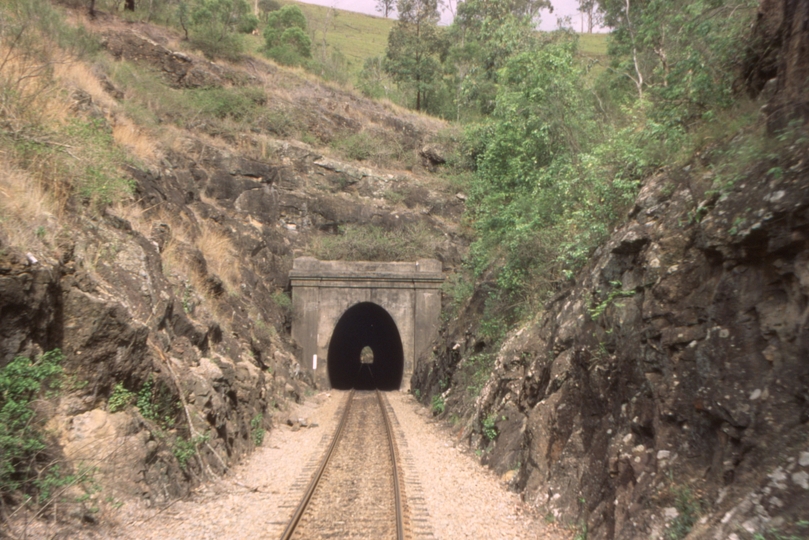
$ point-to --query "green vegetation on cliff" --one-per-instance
(557, 150)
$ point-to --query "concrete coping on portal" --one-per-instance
(421, 270)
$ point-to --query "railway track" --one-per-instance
(356, 490)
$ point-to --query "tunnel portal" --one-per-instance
(402, 300)
(366, 325)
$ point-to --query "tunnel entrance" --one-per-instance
(366, 325)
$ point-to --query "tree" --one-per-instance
(215, 24)
(414, 43)
(279, 21)
(589, 11)
(385, 6)
(285, 36)
(483, 36)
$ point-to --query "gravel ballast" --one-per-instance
(451, 495)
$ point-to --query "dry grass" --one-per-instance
(134, 140)
(28, 97)
(28, 214)
(78, 75)
(220, 255)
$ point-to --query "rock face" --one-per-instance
(668, 390)
(673, 374)
(171, 311)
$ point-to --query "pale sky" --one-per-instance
(561, 8)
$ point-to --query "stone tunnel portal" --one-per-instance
(366, 325)
(401, 299)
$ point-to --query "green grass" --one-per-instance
(594, 45)
(355, 35)
(593, 49)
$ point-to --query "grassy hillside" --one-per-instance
(358, 36)
(354, 35)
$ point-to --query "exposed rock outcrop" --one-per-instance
(668, 390)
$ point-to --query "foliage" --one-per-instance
(438, 404)
(414, 45)
(681, 54)
(617, 292)
(373, 80)
(156, 403)
(226, 103)
(385, 7)
(101, 182)
(120, 398)
(489, 427)
(459, 288)
(22, 439)
(483, 36)
(475, 371)
(282, 300)
(185, 449)
(257, 430)
(285, 36)
(215, 25)
(268, 6)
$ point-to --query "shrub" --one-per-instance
(156, 403)
(22, 439)
(257, 429)
(185, 449)
(214, 26)
(120, 398)
(279, 21)
(226, 103)
(489, 427)
(438, 405)
(285, 36)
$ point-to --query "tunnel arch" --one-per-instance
(365, 324)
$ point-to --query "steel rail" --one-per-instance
(299, 511)
(394, 457)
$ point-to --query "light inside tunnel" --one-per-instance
(366, 325)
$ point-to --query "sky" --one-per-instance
(561, 8)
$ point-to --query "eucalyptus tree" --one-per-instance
(412, 58)
(385, 6)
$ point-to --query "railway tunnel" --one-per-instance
(339, 308)
(365, 325)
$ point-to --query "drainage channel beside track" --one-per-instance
(356, 490)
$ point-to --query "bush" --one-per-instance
(214, 26)
(257, 429)
(489, 427)
(185, 449)
(285, 36)
(120, 398)
(23, 449)
(278, 22)
(226, 103)
(438, 405)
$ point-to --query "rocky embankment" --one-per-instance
(668, 390)
(170, 309)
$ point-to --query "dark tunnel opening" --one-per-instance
(366, 325)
